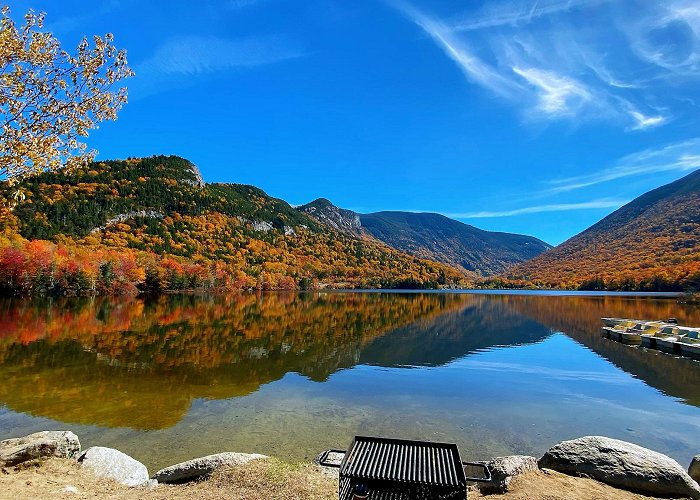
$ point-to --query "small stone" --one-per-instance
(694, 469)
(203, 466)
(111, 463)
(504, 469)
(63, 444)
(334, 458)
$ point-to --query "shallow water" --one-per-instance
(291, 374)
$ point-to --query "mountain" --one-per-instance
(153, 224)
(328, 214)
(434, 237)
(651, 243)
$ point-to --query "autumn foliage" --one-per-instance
(651, 244)
(150, 225)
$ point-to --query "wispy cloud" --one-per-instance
(241, 4)
(644, 122)
(82, 22)
(516, 13)
(178, 62)
(559, 207)
(681, 156)
(472, 66)
(557, 95)
(540, 56)
(195, 55)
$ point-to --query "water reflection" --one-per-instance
(139, 363)
(177, 364)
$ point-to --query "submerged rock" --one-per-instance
(621, 464)
(203, 466)
(111, 463)
(694, 469)
(63, 444)
(504, 469)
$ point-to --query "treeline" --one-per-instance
(684, 282)
(40, 267)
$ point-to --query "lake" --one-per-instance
(292, 374)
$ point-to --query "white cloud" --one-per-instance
(681, 156)
(472, 66)
(644, 122)
(557, 95)
(559, 207)
(552, 63)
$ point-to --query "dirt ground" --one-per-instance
(259, 480)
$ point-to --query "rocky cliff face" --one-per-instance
(339, 219)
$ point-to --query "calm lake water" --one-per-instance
(292, 374)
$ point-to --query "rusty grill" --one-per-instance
(397, 469)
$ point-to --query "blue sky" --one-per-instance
(537, 117)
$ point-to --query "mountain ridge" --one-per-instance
(434, 236)
(652, 242)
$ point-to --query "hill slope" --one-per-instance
(653, 242)
(434, 237)
(220, 235)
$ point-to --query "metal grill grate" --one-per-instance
(397, 469)
(417, 462)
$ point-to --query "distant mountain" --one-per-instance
(434, 237)
(440, 238)
(651, 243)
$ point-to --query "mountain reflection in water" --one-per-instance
(142, 363)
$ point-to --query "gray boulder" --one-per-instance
(203, 466)
(111, 463)
(62, 444)
(694, 469)
(621, 464)
(504, 469)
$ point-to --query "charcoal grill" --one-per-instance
(398, 469)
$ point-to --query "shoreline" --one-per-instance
(51, 463)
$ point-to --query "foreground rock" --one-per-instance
(504, 469)
(335, 459)
(63, 444)
(621, 464)
(694, 469)
(111, 463)
(204, 466)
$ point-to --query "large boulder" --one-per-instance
(694, 469)
(111, 463)
(203, 466)
(504, 469)
(621, 464)
(62, 444)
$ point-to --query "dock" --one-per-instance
(663, 335)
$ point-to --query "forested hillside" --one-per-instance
(436, 237)
(432, 236)
(652, 243)
(153, 224)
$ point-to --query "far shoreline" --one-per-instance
(502, 291)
